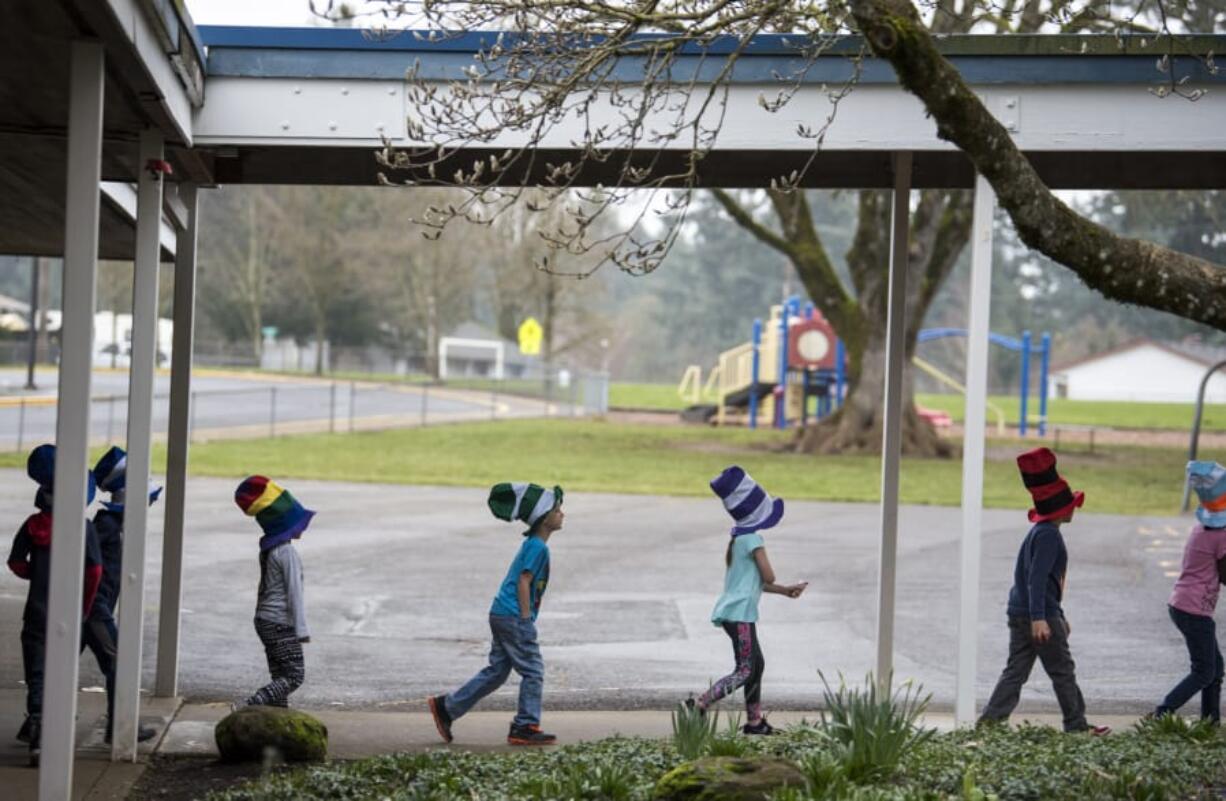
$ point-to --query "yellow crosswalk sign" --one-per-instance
(530, 337)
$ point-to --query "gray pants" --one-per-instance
(1057, 661)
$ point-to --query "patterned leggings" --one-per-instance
(748, 672)
(285, 663)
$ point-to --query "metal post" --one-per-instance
(891, 436)
(1025, 400)
(978, 327)
(32, 358)
(840, 371)
(84, 168)
(1044, 365)
(353, 391)
(140, 442)
(755, 374)
(191, 431)
(332, 408)
(1194, 443)
(178, 438)
(272, 411)
(110, 418)
(781, 388)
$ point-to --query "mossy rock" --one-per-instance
(248, 733)
(727, 779)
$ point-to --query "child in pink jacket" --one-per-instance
(1195, 596)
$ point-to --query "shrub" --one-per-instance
(693, 730)
(872, 731)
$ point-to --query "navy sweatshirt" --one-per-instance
(1041, 564)
(109, 528)
(30, 559)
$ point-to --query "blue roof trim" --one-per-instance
(356, 55)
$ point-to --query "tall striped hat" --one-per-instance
(279, 514)
(748, 504)
(111, 473)
(1209, 481)
(1051, 494)
(527, 503)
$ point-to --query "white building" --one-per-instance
(1142, 370)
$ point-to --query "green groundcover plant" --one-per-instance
(1156, 761)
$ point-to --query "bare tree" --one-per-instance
(566, 60)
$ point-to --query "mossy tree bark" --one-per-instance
(1121, 268)
(939, 229)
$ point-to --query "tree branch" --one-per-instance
(744, 219)
(1121, 268)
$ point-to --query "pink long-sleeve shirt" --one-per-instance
(1196, 590)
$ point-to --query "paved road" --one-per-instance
(399, 580)
(258, 405)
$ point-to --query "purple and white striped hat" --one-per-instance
(751, 508)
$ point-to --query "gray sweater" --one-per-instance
(280, 596)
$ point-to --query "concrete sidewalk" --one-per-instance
(96, 777)
(356, 734)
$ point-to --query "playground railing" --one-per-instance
(690, 388)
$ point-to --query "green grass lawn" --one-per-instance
(595, 456)
(1108, 414)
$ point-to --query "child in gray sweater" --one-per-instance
(280, 613)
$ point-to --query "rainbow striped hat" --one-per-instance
(278, 513)
(1209, 481)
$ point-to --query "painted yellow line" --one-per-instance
(29, 400)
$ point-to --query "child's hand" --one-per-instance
(795, 590)
(1040, 631)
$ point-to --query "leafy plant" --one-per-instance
(730, 743)
(1172, 725)
(873, 730)
(693, 730)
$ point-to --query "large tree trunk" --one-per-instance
(858, 425)
(1123, 269)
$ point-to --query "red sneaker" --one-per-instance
(442, 721)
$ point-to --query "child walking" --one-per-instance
(748, 574)
(1037, 626)
(1194, 598)
(99, 633)
(30, 559)
(280, 613)
(513, 640)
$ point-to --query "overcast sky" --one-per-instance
(250, 12)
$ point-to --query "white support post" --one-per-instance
(891, 436)
(140, 436)
(177, 444)
(979, 314)
(84, 168)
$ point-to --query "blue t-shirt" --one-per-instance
(533, 557)
(742, 584)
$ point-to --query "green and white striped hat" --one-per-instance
(525, 502)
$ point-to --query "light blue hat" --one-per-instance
(1208, 479)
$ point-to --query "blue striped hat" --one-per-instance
(1209, 481)
(751, 508)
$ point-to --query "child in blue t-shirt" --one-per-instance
(748, 575)
(513, 642)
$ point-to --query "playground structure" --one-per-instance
(799, 345)
(804, 348)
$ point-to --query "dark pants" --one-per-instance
(285, 663)
(100, 635)
(1200, 634)
(1057, 662)
(750, 665)
(33, 656)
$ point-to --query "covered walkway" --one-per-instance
(129, 91)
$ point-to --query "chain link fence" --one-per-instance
(258, 406)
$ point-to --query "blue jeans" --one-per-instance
(512, 645)
(1200, 634)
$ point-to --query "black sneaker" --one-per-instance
(143, 734)
(761, 728)
(529, 735)
(442, 721)
(23, 734)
